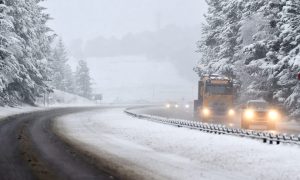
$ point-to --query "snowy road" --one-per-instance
(140, 149)
(29, 149)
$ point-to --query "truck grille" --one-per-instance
(261, 115)
(218, 108)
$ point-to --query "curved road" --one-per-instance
(30, 150)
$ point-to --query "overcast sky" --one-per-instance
(87, 20)
(90, 18)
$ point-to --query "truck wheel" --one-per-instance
(244, 125)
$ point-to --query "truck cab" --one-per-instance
(215, 99)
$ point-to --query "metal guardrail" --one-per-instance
(266, 137)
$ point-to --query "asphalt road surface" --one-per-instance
(179, 113)
(30, 150)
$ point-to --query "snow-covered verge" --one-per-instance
(56, 99)
(60, 98)
(9, 111)
(139, 149)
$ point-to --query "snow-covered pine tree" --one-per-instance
(29, 23)
(288, 65)
(273, 55)
(69, 79)
(260, 45)
(9, 66)
(221, 37)
(259, 18)
(83, 80)
(209, 45)
(62, 77)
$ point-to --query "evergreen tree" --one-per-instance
(29, 23)
(62, 76)
(221, 37)
(69, 79)
(83, 80)
(59, 67)
(288, 65)
(257, 41)
(9, 44)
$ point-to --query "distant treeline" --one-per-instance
(170, 43)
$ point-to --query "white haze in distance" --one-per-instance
(132, 76)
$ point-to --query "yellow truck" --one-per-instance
(215, 99)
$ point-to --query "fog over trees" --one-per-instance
(171, 43)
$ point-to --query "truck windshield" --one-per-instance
(258, 105)
(219, 89)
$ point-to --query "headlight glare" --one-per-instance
(231, 112)
(249, 114)
(273, 115)
(205, 111)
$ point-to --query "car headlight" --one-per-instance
(168, 105)
(205, 111)
(231, 112)
(249, 114)
(176, 106)
(273, 115)
(187, 106)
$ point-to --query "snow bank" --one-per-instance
(9, 111)
(139, 149)
(56, 99)
(59, 98)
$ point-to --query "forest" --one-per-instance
(33, 59)
(257, 43)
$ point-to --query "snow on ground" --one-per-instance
(8, 111)
(56, 99)
(59, 98)
(140, 149)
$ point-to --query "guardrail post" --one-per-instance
(265, 140)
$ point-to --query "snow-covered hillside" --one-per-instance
(56, 99)
(9, 111)
(60, 98)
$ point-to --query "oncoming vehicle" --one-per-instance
(215, 99)
(183, 105)
(170, 105)
(259, 112)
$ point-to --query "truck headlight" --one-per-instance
(187, 106)
(205, 111)
(231, 112)
(249, 114)
(273, 115)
